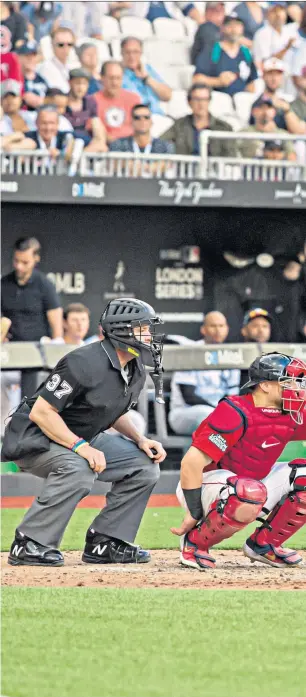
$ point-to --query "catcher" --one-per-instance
(229, 473)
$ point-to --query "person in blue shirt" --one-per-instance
(228, 67)
(252, 15)
(41, 15)
(141, 78)
(88, 56)
(35, 87)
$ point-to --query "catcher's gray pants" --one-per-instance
(68, 478)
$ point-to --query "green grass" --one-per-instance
(154, 532)
(152, 643)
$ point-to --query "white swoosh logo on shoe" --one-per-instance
(269, 445)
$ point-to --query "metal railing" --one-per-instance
(145, 166)
(251, 169)
(149, 166)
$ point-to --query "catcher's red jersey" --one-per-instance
(245, 439)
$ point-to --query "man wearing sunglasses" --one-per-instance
(56, 70)
(142, 140)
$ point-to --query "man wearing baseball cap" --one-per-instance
(264, 113)
(256, 328)
(35, 87)
(228, 66)
(14, 119)
(286, 117)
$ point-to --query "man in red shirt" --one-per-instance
(114, 103)
(229, 474)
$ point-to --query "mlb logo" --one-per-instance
(191, 255)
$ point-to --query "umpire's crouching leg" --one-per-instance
(133, 475)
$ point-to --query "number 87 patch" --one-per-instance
(54, 382)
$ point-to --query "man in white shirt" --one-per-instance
(195, 393)
(276, 38)
(56, 70)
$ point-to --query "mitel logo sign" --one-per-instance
(88, 190)
(224, 356)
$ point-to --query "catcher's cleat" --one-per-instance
(27, 552)
(101, 549)
(194, 557)
(268, 554)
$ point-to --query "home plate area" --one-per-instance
(233, 571)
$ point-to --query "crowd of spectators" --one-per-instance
(58, 66)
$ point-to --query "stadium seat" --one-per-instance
(160, 124)
(178, 105)
(222, 107)
(185, 76)
(115, 46)
(170, 29)
(191, 28)
(136, 26)
(102, 47)
(173, 53)
(243, 104)
(110, 28)
(170, 74)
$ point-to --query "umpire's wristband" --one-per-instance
(194, 502)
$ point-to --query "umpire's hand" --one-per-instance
(148, 445)
(94, 457)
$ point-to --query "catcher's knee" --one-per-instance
(298, 481)
(245, 501)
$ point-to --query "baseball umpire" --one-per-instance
(229, 474)
(58, 434)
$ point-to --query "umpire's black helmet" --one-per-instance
(122, 316)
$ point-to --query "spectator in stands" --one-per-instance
(76, 320)
(286, 117)
(56, 70)
(295, 11)
(227, 67)
(252, 16)
(141, 78)
(299, 53)
(264, 114)
(48, 136)
(88, 56)
(28, 298)
(59, 100)
(195, 393)
(299, 104)
(276, 38)
(185, 132)
(114, 103)
(141, 141)
(35, 87)
(14, 118)
(10, 68)
(41, 16)
(13, 28)
(82, 113)
(172, 10)
(210, 31)
(85, 17)
(274, 150)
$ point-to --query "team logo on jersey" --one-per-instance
(218, 441)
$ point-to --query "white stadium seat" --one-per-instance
(191, 28)
(178, 105)
(110, 28)
(170, 74)
(185, 76)
(222, 107)
(102, 47)
(243, 104)
(160, 124)
(170, 29)
(115, 45)
(172, 53)
(136, 26)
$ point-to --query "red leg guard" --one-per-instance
(287, 517)
(245, 501)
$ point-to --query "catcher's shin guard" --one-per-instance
(245, 499)
(286, 518)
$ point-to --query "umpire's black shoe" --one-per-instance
(26, 552)
(100, 549)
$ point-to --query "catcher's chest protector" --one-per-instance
(267, 431)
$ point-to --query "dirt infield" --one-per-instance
(233, 571)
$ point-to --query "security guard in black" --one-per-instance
(90, 389)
